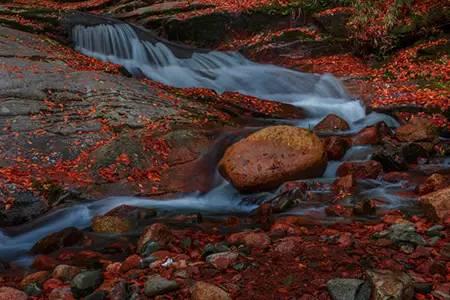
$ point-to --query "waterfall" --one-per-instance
(318, 95)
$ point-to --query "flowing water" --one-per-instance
(318, 95)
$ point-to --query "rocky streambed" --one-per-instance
(114, 179)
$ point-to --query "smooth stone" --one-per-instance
(157, 285)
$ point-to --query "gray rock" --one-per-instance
(33, 290)
(146, 261)
(157, 285)
(86, 282)
(97, 295)
(435, 230)
(402, 233)
(119, 291)
(149, 248)
(348, 289)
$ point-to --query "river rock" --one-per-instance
(390, 285)
(403, 233)
(61, 293)
(433, 183)
(391, 158)
(348, 289)
(367, 136)
(271, 156)
(360, 170)
(55, 241)
(336, 147)
(37, 277)
(416, 130)
(222, 260)
(119, 291)
(157, 285)
(65, 272)
(345, 184)
(250, 239)
(86, 282)
(8, 293)
(437, 204)
(331, 123)
(110, 224)
(97, 295)
(157, 232)
(131, 262)
(206, 291)
(33, 289)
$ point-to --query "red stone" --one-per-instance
(360, 170)
(44, 262)
(367, 136)
(131, 262)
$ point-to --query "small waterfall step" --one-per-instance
(142, 52)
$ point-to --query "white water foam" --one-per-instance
(318, 95)
(224, 199)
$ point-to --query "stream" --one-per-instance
(317, 95)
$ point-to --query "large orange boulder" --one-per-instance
(272, 156)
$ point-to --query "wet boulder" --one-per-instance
(360, 170)
(336, 147)
(433, 183)
(331, 123)
(288, 196)
(206, 291)
(367, 136)
(271, 156)
(58, 240)
(437, 204)
(372, 135)
(391, 285)
(417, 130)
(391, 158)
(345, 184)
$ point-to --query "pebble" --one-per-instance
(157, 285)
